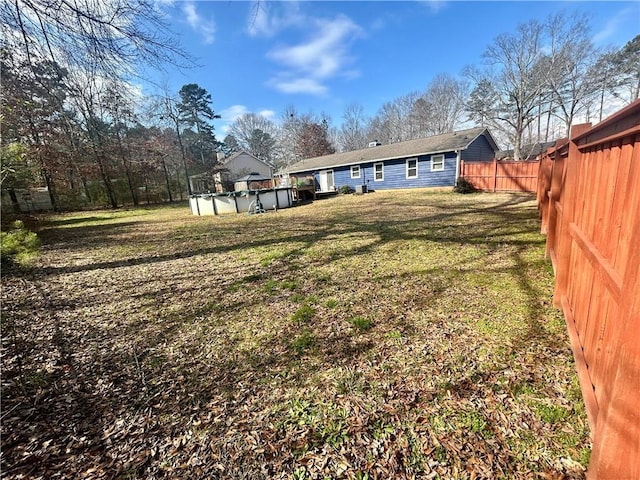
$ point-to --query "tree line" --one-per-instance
(71, 121)
(532, 85)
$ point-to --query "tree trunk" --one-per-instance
(184, 161)
(111, 194)
(127, 170)
(14, 201)
(50, 188)
(43, 169)
(166, 179)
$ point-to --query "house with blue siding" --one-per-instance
(424, 162)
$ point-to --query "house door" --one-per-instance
(326, 181)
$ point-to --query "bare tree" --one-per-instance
(86, 97)
(256, 134)
(442, 105)
(352, 135)
(117, 104)
(303, 135)
(394, 122)
(516, 77)
(571, 56)
(627, 62)
(110, 36)
(290, 127)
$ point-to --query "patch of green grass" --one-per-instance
(395, 335)
(272, 255)
(270, 286)
(331, 303)
(297, 298)
(322, 277)
(303, 342)
(417, 459)
(441, 455)
(235, 287)
(289, 284)
(302, 413)
(550, 413)
(333, 430)
(520, 387)
(300, 473)
(584, 455)
(473, 421)
(359, 475)
(361, 323)
(304, 314)
(438, 423)
(38, 379)
(312, 300)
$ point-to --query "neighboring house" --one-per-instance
(424, 162)
(241, 164)
(25, 200)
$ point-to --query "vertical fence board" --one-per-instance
(592, 221)
(502, 176)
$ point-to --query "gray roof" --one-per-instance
(233, 156)
(253, 177)
(527, 152)
(447, 142)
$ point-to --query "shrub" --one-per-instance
(19, 245)
(464, 186)
(346, 189)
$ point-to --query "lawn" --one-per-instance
(403, 334)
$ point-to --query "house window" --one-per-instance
(412, 168)
(437, 163)
(378, 172)
(355, 171)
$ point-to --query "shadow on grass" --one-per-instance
(100, 379)
(439, 228)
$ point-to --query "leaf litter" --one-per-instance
(154, 344)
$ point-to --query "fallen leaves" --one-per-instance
(159, 345)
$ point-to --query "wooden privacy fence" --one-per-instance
(589, 200)
(501, 176)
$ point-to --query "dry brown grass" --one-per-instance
(399, 334)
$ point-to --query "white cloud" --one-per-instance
(611, 27)
(434, 5)
(264, 20)
(299, 85)
(206, 28)
(267, 113)
(232, 113)
(323, 56)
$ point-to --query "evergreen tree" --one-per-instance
(196, 114)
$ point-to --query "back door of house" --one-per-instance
(326, 181)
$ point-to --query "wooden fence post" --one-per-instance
(616, 447)
(495, 174)
(567, 205)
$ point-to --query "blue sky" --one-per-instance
(321, 56)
